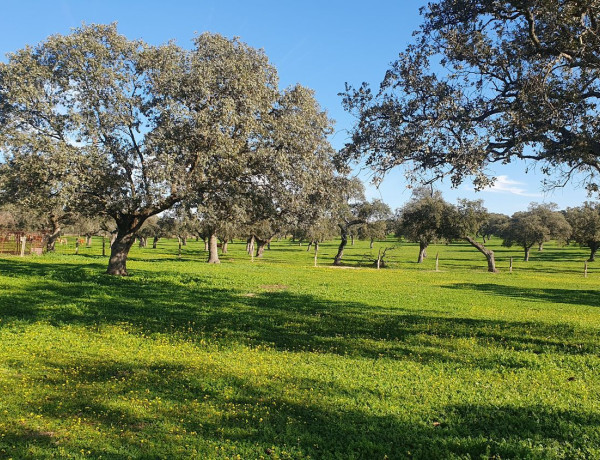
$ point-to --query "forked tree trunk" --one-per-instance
(213, 250)
(117, 264)
(310, 243)
(260, 247)
(488, 253)
(54, 234)
(422, 252)
(124, 238)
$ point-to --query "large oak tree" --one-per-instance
(488, 81)
(134, 128)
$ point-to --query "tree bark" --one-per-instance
(205, 243)
(88, 240)
(250, 245)
(154, 241)
(344, 229)
(541, 246)
(593, 250)
(371, 245)
(527, 249)
(124, 238)
(213, 250)
(224, 243)
(351, 240)
(54, 234)
(260, 247)
(422, 249)
(488, 253)
(309, 245)
(184, 240)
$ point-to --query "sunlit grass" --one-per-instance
(278, 359)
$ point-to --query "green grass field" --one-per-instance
(279, 359)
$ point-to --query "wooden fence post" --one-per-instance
(510, 266)
(437, 262)
(23, 242)
(585, 268)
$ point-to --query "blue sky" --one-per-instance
(320, 44)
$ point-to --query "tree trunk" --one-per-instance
(154, 241)
(309, 245)
(224, 243)
(88, 240)
(593, 250)
(250, 245)
(527, 249)
(184, 240)
(54, 234)
(351, 240)
(213, 250)
(143, 242)
(422, 249)
(205, 243)
(260, 247)
(124, 238)
(541, 246)
(488, 253)
(343, 243)
(371, 245)
(117, 263)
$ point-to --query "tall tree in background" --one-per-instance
(465, 222)
(557, 227)
(488, 82)
(424, 219)
(585, 222)
(375, 214)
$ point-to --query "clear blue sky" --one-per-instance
(320, 44)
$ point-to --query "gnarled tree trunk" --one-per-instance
(593, 249)
(213, 250)
(54, 234)
(344, 229)
(261, 246)
(124, 238)
(488, 253)
(224, 243)
(422, 252)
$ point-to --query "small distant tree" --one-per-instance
(375, 214)
(351, 195)
(585, 224)
(557, 226)
(465, 222)
(424, 219)
(525, 229)
(493, 226)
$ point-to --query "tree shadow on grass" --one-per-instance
(264, 418)
(189, 307)
(581, 297)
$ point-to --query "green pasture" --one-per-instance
(276, 358)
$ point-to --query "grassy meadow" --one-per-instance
(278, 359)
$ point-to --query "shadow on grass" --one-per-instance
(260, 417)
(190, 307)
(589, 298)
(255, 419)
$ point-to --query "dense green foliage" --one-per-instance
(278, 359)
